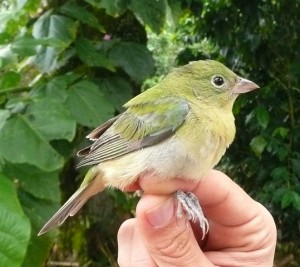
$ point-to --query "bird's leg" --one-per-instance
(188, 203)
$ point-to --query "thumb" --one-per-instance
(169, 240)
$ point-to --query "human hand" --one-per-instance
(242, 232)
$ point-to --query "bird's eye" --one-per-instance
(218, 81)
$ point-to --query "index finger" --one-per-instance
(218, 195)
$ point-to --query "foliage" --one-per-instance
(67, 66)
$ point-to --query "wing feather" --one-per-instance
(138, 127)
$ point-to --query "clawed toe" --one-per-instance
(189, 203)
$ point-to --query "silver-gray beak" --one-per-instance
(244, 86)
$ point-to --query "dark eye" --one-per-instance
(218, 81)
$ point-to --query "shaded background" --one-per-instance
(67, 66)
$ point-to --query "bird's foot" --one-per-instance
(189, 204)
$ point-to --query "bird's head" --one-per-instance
(210, 82)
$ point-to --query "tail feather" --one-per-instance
(64, 212)
(74, 203)
(77, 207)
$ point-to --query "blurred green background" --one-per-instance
(67, 66)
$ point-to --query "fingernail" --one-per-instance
(160, 215)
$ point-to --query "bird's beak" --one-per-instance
(244, 86)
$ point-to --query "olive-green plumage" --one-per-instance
(179, 128)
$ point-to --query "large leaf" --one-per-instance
(14, 226)
(20, 142)
(262, 116)
(54, 27)
(9, 79)
(40, 196)
(4, 115)
(88, 104)
(117, 90)
(151, 13)
(27, 45)
(258, 144)
(112, 7)
(52, 119)
(40, 184)
(9, 21)
(92, 57)
(38, 212)
(135, 59)
(82, 14)
(56, 88)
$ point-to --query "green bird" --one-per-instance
(181, 127)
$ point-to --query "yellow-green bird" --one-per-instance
(181, 127)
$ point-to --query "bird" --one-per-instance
(181, 127)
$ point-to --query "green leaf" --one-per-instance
(14, 226)
(7, 18)
(5, 38)
(56, 88)
(9, 79)
(40, 184)
(80, 13)
(21, 3)
(135, 59)
(258, 144)
(39, 212)
(52, 119)
(287, 199)
(27, 46)
(117, 90)
(4, 115)
(295, 164)
(20, 142)
(88, 104)
(113, 7)
(39, 195)
(7, 57)
(281, 131)
(262, 116)
(174, 11)
(24, 46)
(296, 200)
(151, 13)
(54, 27)
(31, 6)
(280, 173)
(92, 57)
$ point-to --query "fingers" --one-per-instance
(157, 238)
(242, 232)
(230, 211)
(169, 240)
(217, 193)
(131, 248)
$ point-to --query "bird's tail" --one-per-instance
(91, 185)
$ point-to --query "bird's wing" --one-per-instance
(140, 126)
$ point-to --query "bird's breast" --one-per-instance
(195, 148)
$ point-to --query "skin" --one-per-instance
(242, 232)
